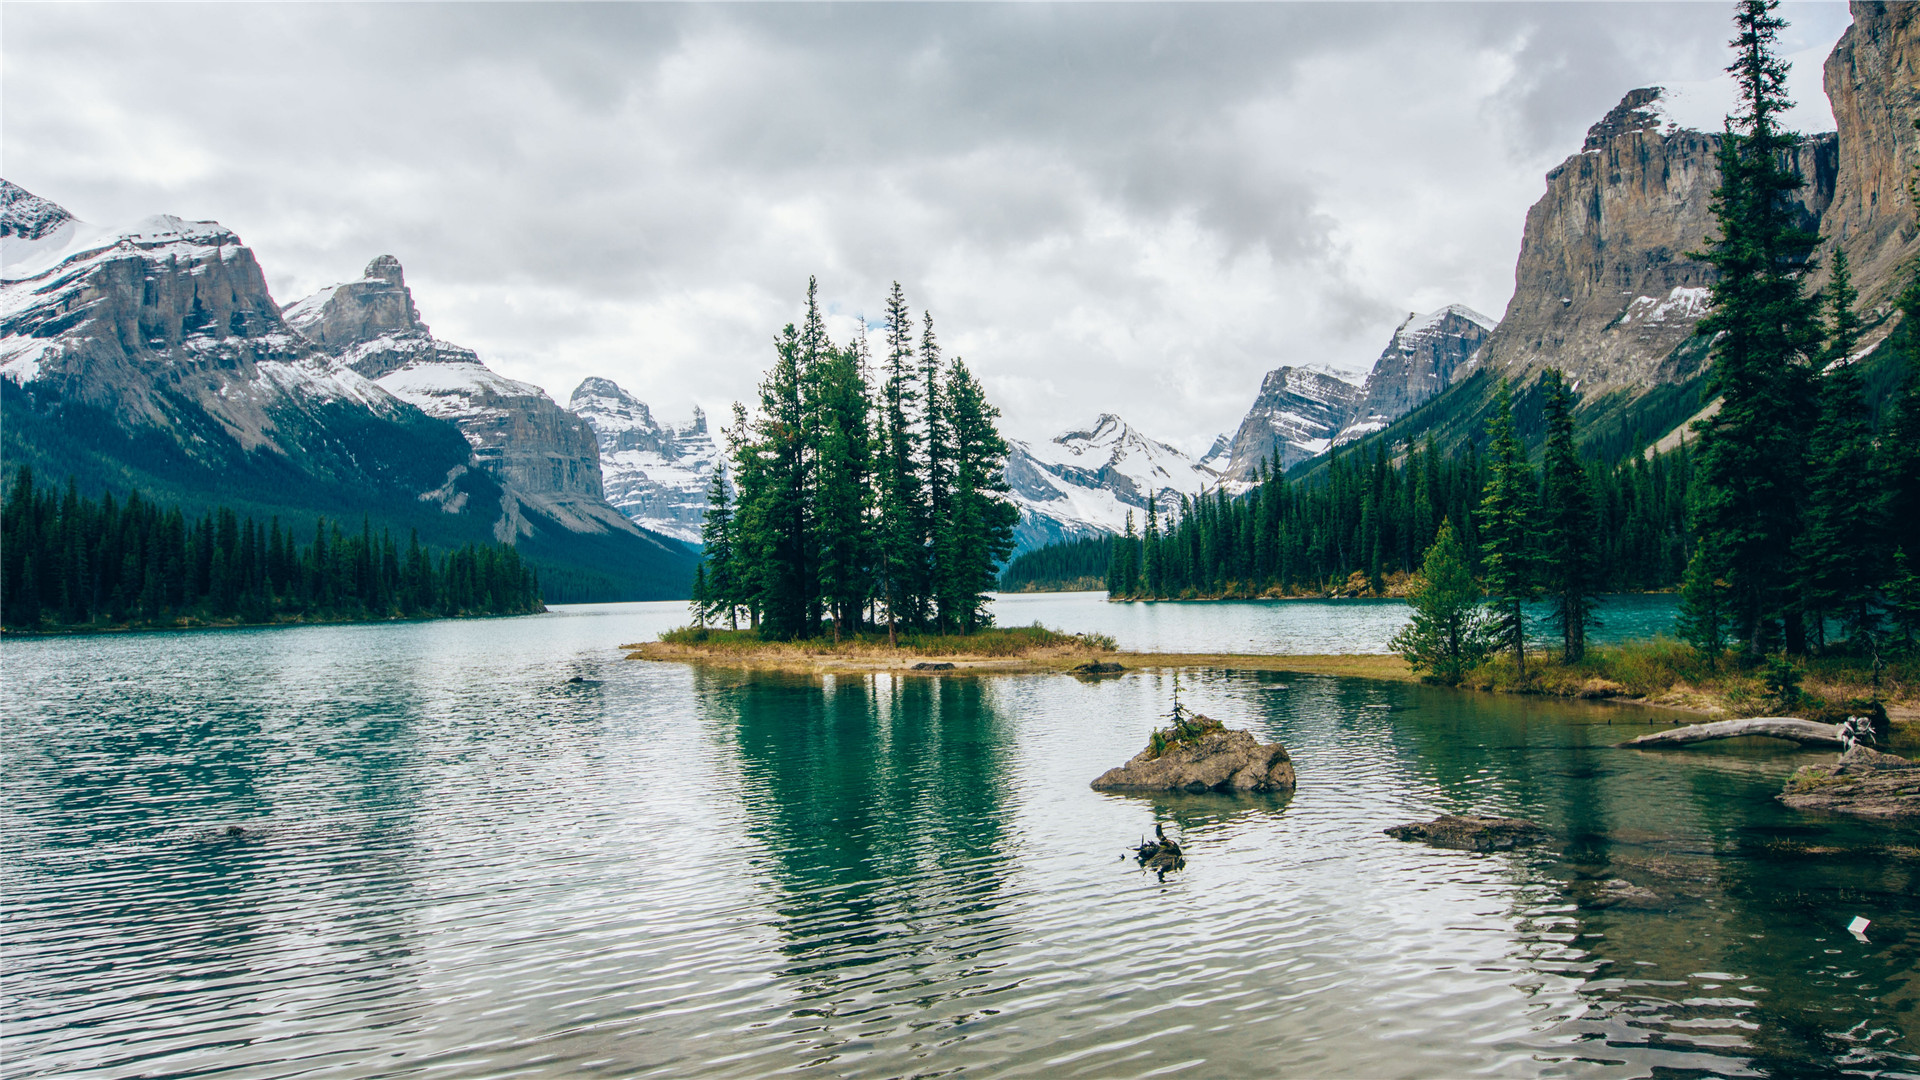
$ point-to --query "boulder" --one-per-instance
(1864, 783)
(1219, 760)
(1471, 832)
(932, 665)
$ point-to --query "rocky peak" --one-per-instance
(1423, 358)
(1639, 111)
(360, 312)
(26, 215)
(654, 473)
(1297, 414)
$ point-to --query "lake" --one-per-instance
(423, 850)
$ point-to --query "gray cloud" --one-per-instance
(1132, 208)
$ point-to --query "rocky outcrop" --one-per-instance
(1863, 783)
(1604, 288)
(26, 216)
(546, 459)
(656, 474)
(1295, 417)
(1218, 761)
(1873, 82)
(1421, 361)
(1471, 832)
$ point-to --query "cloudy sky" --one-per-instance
(1132, 208)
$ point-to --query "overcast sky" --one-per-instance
(1134, 208)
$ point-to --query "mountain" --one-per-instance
(1605, 290)
(1301, 413)
(545, 459)
(654, 473)
(1296, 415)
(1422, 359)
(1084, 483)
(154, 356)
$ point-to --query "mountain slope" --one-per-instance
(1085, 483)
(545, 459)
(654, 473)
(153, 356)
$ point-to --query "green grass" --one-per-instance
(992, 642)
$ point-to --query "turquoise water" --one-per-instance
(1298, 627)
(453, 861)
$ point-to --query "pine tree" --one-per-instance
(1506, 516)
(1702, 620)
(902, 536)
(938, 454)
(1842, 548)
(1764, 331)
(1447, 634)
(978, 533)
(845, 516)
(722, 593)
(1568, 527)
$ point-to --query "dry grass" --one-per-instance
(1666, 672)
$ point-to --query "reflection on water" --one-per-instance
(452, 861)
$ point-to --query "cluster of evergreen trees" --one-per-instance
(1802, 515)
(71, 561)
(1373, 517)
(858, 496)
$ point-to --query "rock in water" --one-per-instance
(1864, 783)
(1220, 760)
(1471, 832)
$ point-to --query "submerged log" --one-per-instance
(1804, 732)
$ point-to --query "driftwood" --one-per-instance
(1804, 732)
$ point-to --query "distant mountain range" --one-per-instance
(153, 355)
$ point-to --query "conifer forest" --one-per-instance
(862, 493)
(72, 562)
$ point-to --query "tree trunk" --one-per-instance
(1804, 732)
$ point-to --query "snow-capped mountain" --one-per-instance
(654, 473)
(1423, 358)
(1085, 482)
(164, 332)
(153, 356)
(544, 457)
(1296, 415)
(1303, 412)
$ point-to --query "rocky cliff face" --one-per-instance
(1873, 82)
(1085, 483)
(1296, 415)
(547, 459)
(165, 333)
(1426, 352)
(1603, 288)
(654, 473)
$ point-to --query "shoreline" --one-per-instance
(799, 659)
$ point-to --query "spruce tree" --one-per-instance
(978, 535)
(938, 454)
(1702, 620)
(1506, 517)
(1447, 634)
(1568, 560)
(901, 535)
(1764, 333)
(789, 588)
(845, 516)
(1842, 548)
(716, 550)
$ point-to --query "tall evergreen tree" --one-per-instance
(978, 535)
(1568, 532)
(901, 531)
(1764, 332)
(790, 588)
(1843, 548)
(938, 453)
(1506, 517)
(716, 552)
(845, 517)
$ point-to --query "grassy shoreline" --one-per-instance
(1660, 673)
